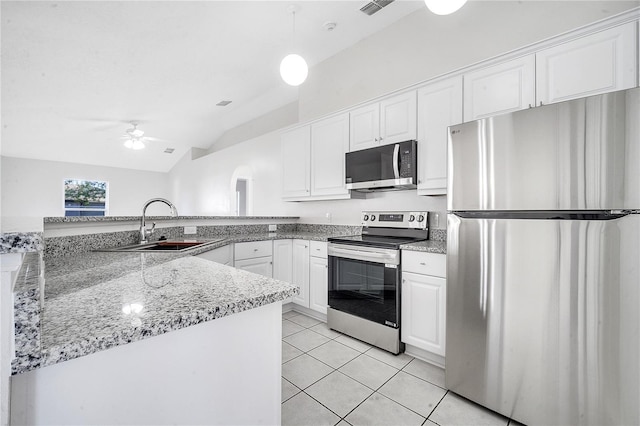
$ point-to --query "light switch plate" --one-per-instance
(190, 230)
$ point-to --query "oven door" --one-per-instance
(365, 282)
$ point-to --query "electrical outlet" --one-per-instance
(436, 219)
(190, 230)
(272, 228)
(328, 216)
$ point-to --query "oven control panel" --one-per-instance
(414, 219)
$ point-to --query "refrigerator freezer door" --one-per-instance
(543, 318)
(577, 155)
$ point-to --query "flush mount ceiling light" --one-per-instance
(293, 68)
(444, 7)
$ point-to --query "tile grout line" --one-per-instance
(373, 391)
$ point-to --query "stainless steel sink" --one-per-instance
(162, 246)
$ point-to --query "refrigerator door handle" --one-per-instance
(625, 212)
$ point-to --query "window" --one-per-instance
(85, 197)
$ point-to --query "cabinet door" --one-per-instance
(502, 88)
(296, 162)
(601, 62)
(318, 284)
(282, 254)
(300, 271)
(329, 144)
(423, 312)
(439, 106)
(398, 117)
(364, 127)
(222, 255)
(259, 265)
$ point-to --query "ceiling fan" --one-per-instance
(134, 138)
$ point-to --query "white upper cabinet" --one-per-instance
(296, 162)
(398, 117)
(498, 89)
(364, 129)
(391, 120)
(439, 106)
(601, 62)
(329, 144)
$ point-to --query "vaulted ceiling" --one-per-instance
(75, 74)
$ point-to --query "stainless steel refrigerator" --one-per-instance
(543, 281)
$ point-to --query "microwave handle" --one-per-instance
(396, 155)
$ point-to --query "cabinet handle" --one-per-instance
(530, 106)
(255, 249)
(423, 264)
(540, 103)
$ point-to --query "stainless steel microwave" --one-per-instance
(383, 168)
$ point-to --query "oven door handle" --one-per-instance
(367, 256)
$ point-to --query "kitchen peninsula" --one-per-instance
(131, 338)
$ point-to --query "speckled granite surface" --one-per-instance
(88, 292)
(77, 244)
(98, 300)
(429, 246)
(20, 242)
(80, 219)
(101, 300)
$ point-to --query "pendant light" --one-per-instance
(444, 7)
(293, 68)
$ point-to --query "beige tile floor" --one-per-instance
(331, 379)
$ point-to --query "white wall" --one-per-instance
(204, 187)
(33, 189)
(422, 46)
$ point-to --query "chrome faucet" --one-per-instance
(146, 233)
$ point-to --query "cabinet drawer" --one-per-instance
(424, 263)
(318, 248)
(253, 249)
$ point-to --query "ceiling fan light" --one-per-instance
(444, 7)
(137, 144)
(294, 69)
(134, 143)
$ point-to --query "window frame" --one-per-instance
(66, 209)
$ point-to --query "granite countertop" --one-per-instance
(428, 246)
(98, 300)
(102, 299)
(79, 219)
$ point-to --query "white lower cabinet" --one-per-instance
(259, 265)
(222, 255)
(300, 271)
(282, 262)
(318, 277)
(255, 256)
(310, 272)
(424, 301)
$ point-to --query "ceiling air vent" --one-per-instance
(374, 6)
